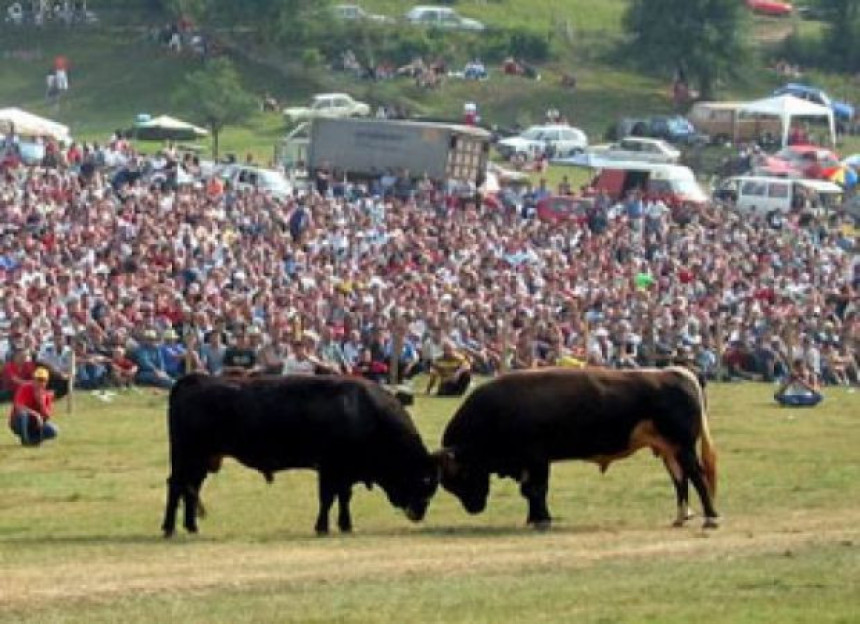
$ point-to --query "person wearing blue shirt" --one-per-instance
(173, 354)
(151, 370)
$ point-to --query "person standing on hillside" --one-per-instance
(31, 410)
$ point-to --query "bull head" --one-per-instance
(468, 482)
(447, 462)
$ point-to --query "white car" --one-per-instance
(639, 149)
(442, 17)
(556, 140)
(353, 12)
(328, 105)
(247, 177)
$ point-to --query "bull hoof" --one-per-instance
(191, 529)
(321, 531)
(541, 525)
(711, 523)
(682, 520)
(168, 533)
(345, 528)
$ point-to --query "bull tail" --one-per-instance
(708, 450)
(709, 454)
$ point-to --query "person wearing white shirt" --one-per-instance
(299, 361)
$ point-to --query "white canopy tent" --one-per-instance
(28, 124)
(786, 107)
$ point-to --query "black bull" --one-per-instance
(347, 429)
(517, 424)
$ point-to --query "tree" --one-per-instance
(215, 97)
(842, 38)
(704, 37)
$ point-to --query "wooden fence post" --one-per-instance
(73, 371)
(652, 339)
(718, 348)
(187, 331)
(502, 328)
(398, 331)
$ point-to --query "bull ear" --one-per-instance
(447, 461)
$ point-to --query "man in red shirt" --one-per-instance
(31, 410)
(16, 372)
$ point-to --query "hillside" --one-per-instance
(118, 72)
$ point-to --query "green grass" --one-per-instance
(79, 533)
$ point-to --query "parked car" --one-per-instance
(672, 128)
(638, 149)
(563, 209)
(801, 161)
(247, 177)
(442, 17)
(843, 111)
(328, 105)
(353, 12)
(554, 139)
(773, 8)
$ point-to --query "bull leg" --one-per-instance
(174, 490)
(693, 470)
(191, 501)
(682, 491)
(327, 491)
(344, 517)
(534, 487)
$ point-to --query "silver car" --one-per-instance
(442, 17)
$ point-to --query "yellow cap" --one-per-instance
(41, 373)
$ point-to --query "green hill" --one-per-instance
(117, 72)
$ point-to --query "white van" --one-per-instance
(671, 183)
(762, 195)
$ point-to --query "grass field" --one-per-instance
(80, 541)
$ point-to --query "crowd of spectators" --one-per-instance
(146, 280)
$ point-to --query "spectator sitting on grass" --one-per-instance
(452, 372)
(150, 361)
(800, 389)
(122, 369)
(31, 410)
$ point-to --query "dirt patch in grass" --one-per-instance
(197, 566)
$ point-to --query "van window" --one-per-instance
(752, 187)
(659, 187)
(777, 190)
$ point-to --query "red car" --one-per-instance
(806, 161)
(563, 209)
(774, 8)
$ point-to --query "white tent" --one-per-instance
(786, 107)
(28, 124)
